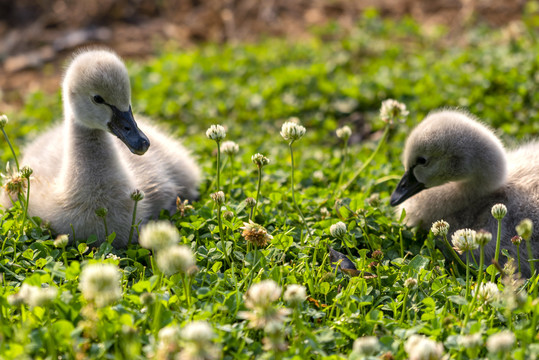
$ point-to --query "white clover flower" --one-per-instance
(100, 283)
(176, 259)
(344, 132)
(216, 132)
(525, 229)
(291, 131)
(157, 235)
(392, 110)
(33, 296)
(487, 292)
(260, 160)
(483, 237)
(61, 240)
(499, 211)
(464, 240)
(262, 294)
(3, 121)
(338, 230)
(501, 342)
(366, 345)
(259, 299)
(420, 347)
(198, 345)
(112, 257)
(256, 234)
(410, 283)
(470, 341)
(295, 294)
(230, 148)
(218, 197)
(440, 227)
(169, 335)
(198, 331)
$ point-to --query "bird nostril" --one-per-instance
(127, 128)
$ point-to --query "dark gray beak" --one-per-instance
(123, 125)
(407, 187)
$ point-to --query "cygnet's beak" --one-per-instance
(407, 187)
(123, 125)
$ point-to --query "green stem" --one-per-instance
(133, 220)
(11, 147)
(222, 234)
(186, 285)
(253, 209)
(455, 256)
(530, 257)
(218, 166)
(343, 161)
(518, 258)
(467, 275)
(403, 311)
(478, 286)
(26, 205)
(369, 160)
(497, 253)
(294, 194)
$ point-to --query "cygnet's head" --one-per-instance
(97, 92)
(447, 146)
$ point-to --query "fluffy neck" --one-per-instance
(90, 165)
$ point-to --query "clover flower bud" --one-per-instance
(260, 160)
(250, 202)
(26, 172)
(291, 131)
(344, 132)
(392, 110)
(516, 240)
(61, 240)
(525, 229)
(295, 294)
(499, 211)
(3, 121)
(230, 148)
(102, 212)
(256, 234)
(410, 283)
(176, 259)
(483, 237)
(216, 132)
(218, 197)
(137, 195)
(338, 230)
(440, 227)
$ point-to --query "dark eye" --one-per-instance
(98, 99)
(421, 160)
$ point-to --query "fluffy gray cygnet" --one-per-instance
(93, 159)
(456, 169)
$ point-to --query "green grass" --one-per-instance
(331, 80)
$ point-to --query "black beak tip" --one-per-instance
(142, 147)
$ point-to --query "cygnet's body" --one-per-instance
(92, 160)
(457, 169)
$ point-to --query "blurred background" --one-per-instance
(37, 36)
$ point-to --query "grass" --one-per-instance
(334, 79)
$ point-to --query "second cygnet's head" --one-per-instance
(447, 146)
(97, 92)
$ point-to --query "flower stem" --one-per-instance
(222, 234)
(293, 192)
(11, 147)
(26, 205)
(530, 257)
(218, 166)
(467, 275)
(518, 258)
(253, 209)
(343, 161)
(369, 160)
(133, 220)
(478, 286)
(403, 311)
(497, 253)
(187, 288)
(455, 256)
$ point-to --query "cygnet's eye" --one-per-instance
(421, 160)
(98, 99)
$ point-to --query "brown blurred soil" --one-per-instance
(37, 36)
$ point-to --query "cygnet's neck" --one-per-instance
(90, 159)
